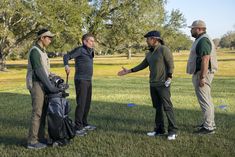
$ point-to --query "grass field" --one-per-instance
(121, 129)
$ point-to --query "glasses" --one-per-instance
(49, 38)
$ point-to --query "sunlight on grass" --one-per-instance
(121, 129)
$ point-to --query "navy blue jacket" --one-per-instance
(83, 62)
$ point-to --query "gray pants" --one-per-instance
(83, 98)
(204, 98)
(38, 117)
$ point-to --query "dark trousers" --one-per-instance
(161, 101)
(83, 98)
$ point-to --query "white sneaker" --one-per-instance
(36, 146)
(81, 132)
(154, 133)
(90, 127)
(171, 136)
(151, 133)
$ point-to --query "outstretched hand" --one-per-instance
(124, 71)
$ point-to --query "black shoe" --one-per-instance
(43, 141)
(204, 131)
(201, 126)
(198, 126)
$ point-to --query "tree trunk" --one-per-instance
(129, 54)
(2, 64)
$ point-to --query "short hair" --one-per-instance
(160, 40)
(86, 36)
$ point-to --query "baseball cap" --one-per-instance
(198, 24)
(155, 34)
(44, 33)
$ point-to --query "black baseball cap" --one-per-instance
(155, 34)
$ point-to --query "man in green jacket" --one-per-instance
(160, 62)
(39, 85)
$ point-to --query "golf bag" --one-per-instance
(60, 127)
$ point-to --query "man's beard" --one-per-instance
(194, 35)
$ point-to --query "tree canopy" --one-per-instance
(118, 25)
(228, 40)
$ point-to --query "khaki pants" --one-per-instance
(39, 107)
(204, 98)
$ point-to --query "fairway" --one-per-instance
(121, 130)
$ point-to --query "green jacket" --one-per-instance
(161, 65)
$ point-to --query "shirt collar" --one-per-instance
(90, 50)
(42, 49)
(156, 47)
(200, 35)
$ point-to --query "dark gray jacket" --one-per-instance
(83, 62)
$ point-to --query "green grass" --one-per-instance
(122, 130)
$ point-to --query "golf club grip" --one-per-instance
(67, 78)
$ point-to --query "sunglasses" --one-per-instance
(47, 37)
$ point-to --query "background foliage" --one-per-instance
(118, 26)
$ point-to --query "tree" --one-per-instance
(20, 19)
(15, 21)
(227, 40)
(122, 24)
(117, 25)
(173, 37)
(216, 42)
(67, 21)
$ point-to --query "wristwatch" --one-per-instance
(202, 77)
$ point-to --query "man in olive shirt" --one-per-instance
(39, 85)
(160, 62)
(202, 64)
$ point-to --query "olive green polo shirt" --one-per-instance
(161, 65)
(203, 48)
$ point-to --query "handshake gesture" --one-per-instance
(124, 71)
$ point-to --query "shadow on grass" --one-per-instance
(110, 117)
(13, 141)
(119, 118)
(24, 66)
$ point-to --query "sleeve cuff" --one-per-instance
(169, 75)
(66, 66)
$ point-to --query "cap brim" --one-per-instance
(146, 36)
(47, 34)
(196, 26)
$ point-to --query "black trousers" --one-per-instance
(83, 98)
(161, 101)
